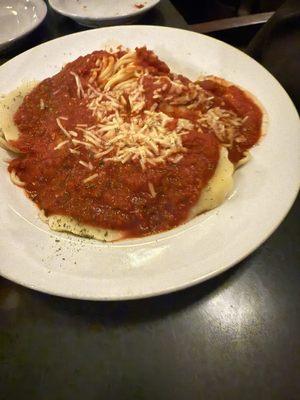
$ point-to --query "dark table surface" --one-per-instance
(234, 337)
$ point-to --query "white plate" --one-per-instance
(18, 18)
(95, 13)
(265, 188)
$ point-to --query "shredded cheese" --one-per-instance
(223, 122)
(151, 189)
(90, 178)
(86, 165)
(74, 151)
(80, 91)
(61, 127)
(125, 131)
(61, 144)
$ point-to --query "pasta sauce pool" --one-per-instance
(63, 176)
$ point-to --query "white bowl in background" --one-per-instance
(18, 18)
(95, 13)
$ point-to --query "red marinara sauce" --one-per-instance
(139, 5)
(234, 99)
(119, 198)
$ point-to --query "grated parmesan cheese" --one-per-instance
(90, 178)
(86, 165)
(223, 122)
(61, 127)
(61, 144)
(151, 189)
(125, 131)
(80, 91)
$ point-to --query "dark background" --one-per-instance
(235, 337)
(206, 10)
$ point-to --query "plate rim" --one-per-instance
(160, 292)
(120, 17)
(202, 278)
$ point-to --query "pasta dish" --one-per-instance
(116, 145)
